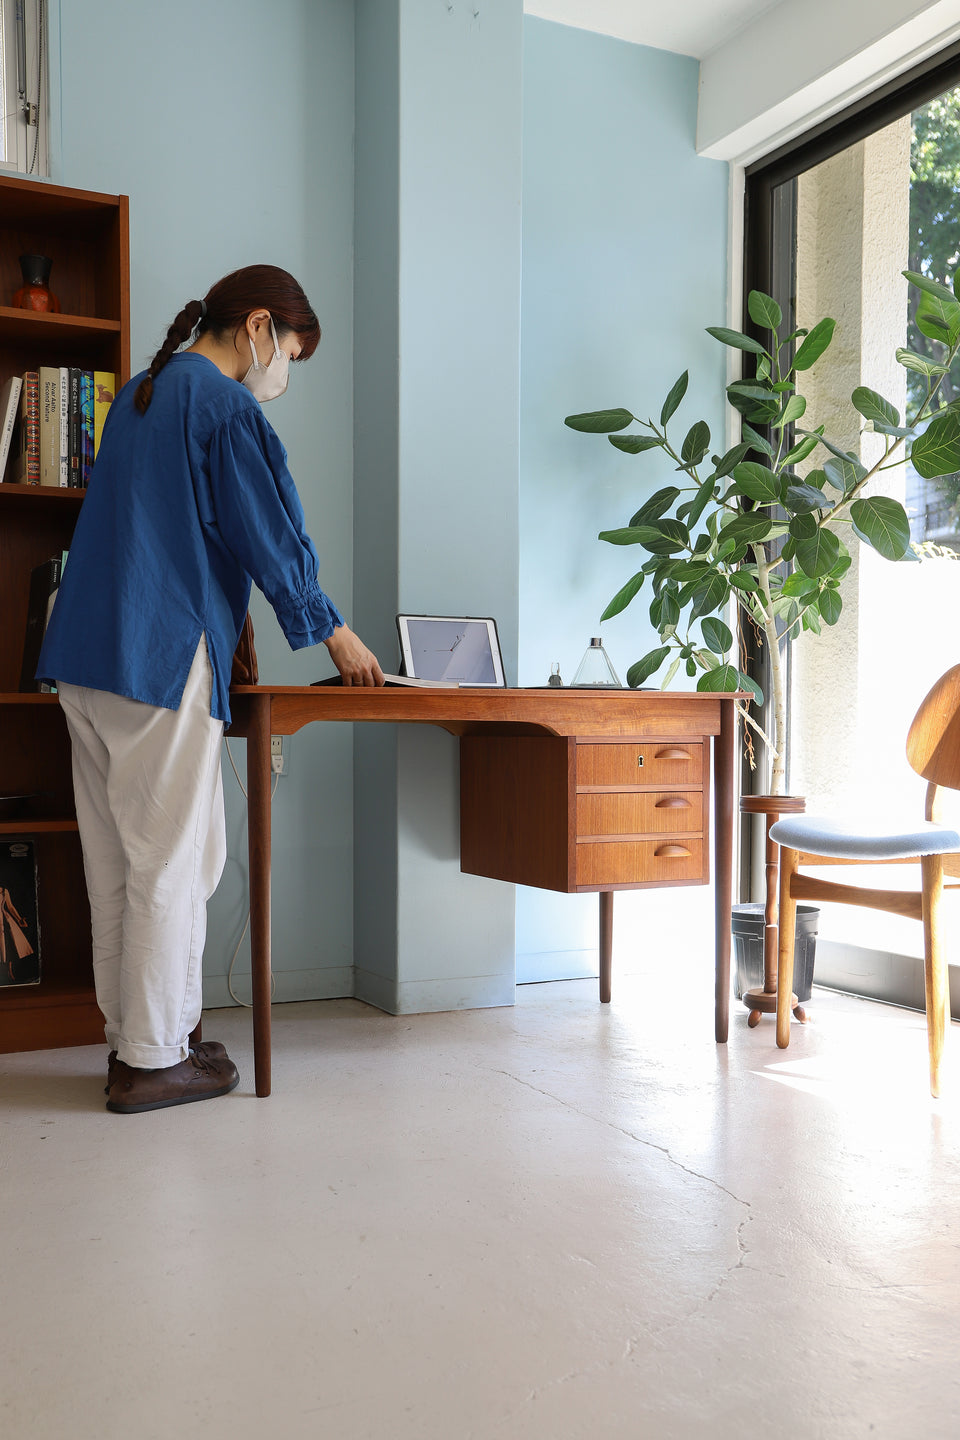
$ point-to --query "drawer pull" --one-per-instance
(672, 802)
(671, 850)
(673, 752)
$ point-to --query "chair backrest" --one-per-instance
(933, 743)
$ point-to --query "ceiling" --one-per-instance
(692, 27)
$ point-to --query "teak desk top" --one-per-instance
(260, 711)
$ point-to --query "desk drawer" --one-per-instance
(639, 812)
(639, 763)
(639, 862)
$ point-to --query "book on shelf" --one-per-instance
(44, 584)
(64, 426)
(74, 441)
(27, 468)
(86, 426)
(50, 425)
(104, 394)
(19, 925)
(9, 410)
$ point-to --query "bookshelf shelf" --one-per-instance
(86, 236)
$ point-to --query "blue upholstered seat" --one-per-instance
(865, 840)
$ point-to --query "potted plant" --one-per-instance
(746, 528)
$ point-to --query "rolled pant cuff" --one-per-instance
(152, 1057)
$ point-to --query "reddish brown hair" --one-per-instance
(225, 308)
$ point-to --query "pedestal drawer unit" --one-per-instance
(583, 813)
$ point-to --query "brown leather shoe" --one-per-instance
(207, 1050)
(195, 1078)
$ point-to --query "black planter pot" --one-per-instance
(748, 927)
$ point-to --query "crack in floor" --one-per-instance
(631, 1135)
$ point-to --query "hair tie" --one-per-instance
(203, 309)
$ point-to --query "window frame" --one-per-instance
(25, 148)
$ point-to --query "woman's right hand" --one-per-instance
(357, 664)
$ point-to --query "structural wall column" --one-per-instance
(436, 371)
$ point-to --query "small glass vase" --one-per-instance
(595, 669)
(35, 293)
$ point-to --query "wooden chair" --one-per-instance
(933, 750)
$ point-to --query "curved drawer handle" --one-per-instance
(672, 802)
(673, 752)
(671, 850)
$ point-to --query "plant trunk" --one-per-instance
(778, 769)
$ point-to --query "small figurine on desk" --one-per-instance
(555, 679)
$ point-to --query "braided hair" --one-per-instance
(225, 309)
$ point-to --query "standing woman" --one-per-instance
(189, 502)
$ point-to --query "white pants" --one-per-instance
(150, 812)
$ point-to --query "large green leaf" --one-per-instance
(803, 526)
(724, 677)
(676, 394)
(801, 498)
(600, 422)
(744, 580)
(801, 451)
(793, 410)
(657, 505)
(910, 360)
(748, 528)
(711, 594)
(818, 555)
(883, 523)
(873, 406)
(938, 319)
(728, 462)
(696, 443)
(755, 402)
(641, 670)
(937, 450)
(757, 441)
(735, 339)
(814, 345)
(747, 683)
(699, 503)
(716, 634)
(830, 606)
(763, 310)
(928, 286)
(757, 482)
(635, 444)
(630, 535)
(844, 473)
(623, 596)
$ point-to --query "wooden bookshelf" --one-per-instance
(86, 236)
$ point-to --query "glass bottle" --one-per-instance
(595, 669)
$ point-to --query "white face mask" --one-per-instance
(266, 382)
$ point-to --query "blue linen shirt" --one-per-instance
(186, 505)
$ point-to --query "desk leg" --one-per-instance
(606, 945)
(258, 842)
(723, 814)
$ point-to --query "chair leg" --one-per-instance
(789, 861)
(936, 977)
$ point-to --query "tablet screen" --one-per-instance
(458, 649)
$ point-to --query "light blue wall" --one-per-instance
(229, 123)
(624, 263)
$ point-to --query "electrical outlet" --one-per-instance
(276, 754)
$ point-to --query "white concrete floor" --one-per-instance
(542, 1223)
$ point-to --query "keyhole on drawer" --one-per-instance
(640, 761)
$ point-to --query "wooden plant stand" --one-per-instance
(764, 1002)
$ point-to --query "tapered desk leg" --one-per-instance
(723, 758)
(258, 841)
(606, 945)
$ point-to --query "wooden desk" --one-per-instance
(571, 790)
